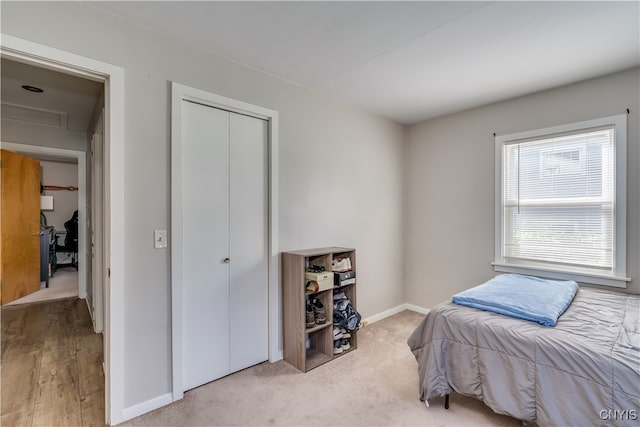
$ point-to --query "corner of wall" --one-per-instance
(405, 209)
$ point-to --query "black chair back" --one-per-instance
(71, 239)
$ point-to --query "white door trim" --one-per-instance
(97, 223)
(113, 76)
(181, 93)
(80, 156)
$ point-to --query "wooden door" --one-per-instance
(20, 232)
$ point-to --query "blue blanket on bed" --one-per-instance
(523, 297)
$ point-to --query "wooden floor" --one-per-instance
(51, 366)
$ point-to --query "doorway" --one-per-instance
(54, 111)
(47, 115)
(64, 276)
(111, 77)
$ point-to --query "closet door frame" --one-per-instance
(179, 94)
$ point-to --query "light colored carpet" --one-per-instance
(63, 284)
(375, 385)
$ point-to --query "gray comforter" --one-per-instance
(584, 371)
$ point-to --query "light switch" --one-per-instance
(160, 239)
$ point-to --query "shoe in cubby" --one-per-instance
(310, 318)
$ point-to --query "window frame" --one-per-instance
(617, 277)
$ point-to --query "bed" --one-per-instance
(584, 371)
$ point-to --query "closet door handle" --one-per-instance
(226, 260)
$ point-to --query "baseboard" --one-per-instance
(276, 357)
(82, 293)
(394, 310)
(387, 313)
(148, 406)
(417, 309)
(93, 321)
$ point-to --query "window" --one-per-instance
(560, 202)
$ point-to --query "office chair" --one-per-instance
(70, 242)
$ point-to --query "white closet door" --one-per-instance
(248, 142)
(224, 228)
(205, 226)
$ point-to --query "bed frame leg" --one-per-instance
(446, 401)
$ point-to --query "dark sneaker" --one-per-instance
(316, 268)
(337, 347)
(337, 333)
(318, 311)
(339, 296)
(345, 334)
(311, 320)
(345, 344)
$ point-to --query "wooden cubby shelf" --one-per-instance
(308, 348)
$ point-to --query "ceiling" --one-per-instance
(67, 102)
(408, 61)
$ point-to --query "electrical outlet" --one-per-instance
(160, 239)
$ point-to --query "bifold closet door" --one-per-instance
(249, 340)
(205, 231)
(224, 228)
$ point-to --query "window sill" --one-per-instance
(578, 276)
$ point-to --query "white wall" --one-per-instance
(64, 201)
(341, 170)
(450, 181)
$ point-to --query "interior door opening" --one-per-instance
(62, 132)
(112, 78)
(56, 206)
(57, 126)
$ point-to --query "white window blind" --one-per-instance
(561, 202)
(559, 199)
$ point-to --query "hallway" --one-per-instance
(51, 365)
